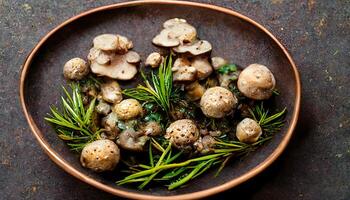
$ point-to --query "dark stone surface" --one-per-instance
(316, 164)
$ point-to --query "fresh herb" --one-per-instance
(228, 68)
(269, 123)
(160, 88)
(74, 123)
(153, 117)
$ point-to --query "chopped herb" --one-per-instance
(228, 68)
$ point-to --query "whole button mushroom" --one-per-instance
(111, 92)
(128, 109)
(182, 134)
(100, 155)
(256, 82)
(217, 102)
(154, 60)
(75, 69)
(248, 131)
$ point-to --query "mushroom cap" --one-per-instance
(128, 109)
(132, 57)
(132, 140)
(256, 82)
(218, 102)
(75, 69)
(182, 134)
(163, 39)
(119, 68)
(203, 67)
(101, 57)
(205, 144)
(106, 42)
(152, 128)
(217, 62)
(182, 70)
(248, 131)
(103, 108)
(154, 59)
(196, 48)
(194, 91)
(100, 155)
(111, 92)
(123, 44)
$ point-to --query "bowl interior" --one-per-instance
(235, 39)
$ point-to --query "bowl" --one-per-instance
(233, 36)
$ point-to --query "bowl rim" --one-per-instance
(128, 194)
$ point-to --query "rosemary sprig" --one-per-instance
(158, 89)
(73, 124)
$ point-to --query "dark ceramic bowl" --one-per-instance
(232, 35)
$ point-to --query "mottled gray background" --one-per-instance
(316, 164)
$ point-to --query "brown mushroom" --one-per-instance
(203, 67)
(106, 42)
(111, 92)
(99, 56)
(124, 44)
(75, 69)
(194, 91)
(182, 134)
(132, 57)
(128, 109)
(196, 48)
(154, 59)
(248, 131)
(119, 68)
(132, 140)
(182, 70)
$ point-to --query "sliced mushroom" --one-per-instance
(124, 44)
(132, 140)
(106, 42)
(194, 91)
(217, 62)
(118, 69)
(109, 123)
(203, 67)
(133, 57)
(101, 57)
(111, 92)
(182, 70)
(154, 60)
(196, 48)
(176, 31)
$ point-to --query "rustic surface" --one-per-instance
(316, 164)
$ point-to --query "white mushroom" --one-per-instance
(256, 82)
(99, 56)
(217, 62)
(194, 91)
(176, 31)
(128, 109)
(248, 131)
(132, 57)
(196, 48)
(182, 134)
(123, 44)
(119, 68)
(203, 67)
(154, 59)
(106, 42)
(100, 155)
(182, 70)
(75, 69)
(111, 92)
(217, 102)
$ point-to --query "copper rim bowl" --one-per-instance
(233, 36)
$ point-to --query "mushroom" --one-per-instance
(75, 69)
(152, 128)
(100, 155)
(123, 45)
(132, 140)
(111, 92)
(109, 123)
(256, 82)
(203, 67)
(128, 109)
(194, 91)
(218, 102)
(106, 42)
(205, 144)
(217, 62)
(99, 56)
(154, 59)
(182, 134)
(133, 57)
(176, 31)
(103, 108)
(119, 68)
(182, 71)
(196, 48)
(248, 131)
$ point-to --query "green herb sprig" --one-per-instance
(74, 123)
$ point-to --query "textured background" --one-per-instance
(316, 164)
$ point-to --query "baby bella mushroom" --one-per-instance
(256, 82)
(75, 69)
(248, 131)
(182, 134)
(100, 155)
(128, 109)
(217, 102)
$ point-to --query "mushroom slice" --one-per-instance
(133, 57)
(173, 22)
(164, 40)
(106, 42)
(203, 67)
(197, 48)
(101, 57)
(123, 45)
(118, 69)
(154, 59)
(182, 70)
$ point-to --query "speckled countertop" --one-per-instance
(316, 164)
